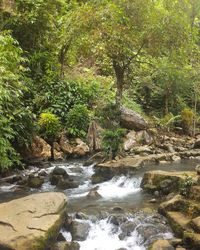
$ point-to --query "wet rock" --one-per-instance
(147, 231)
(66, 184)
(166, 186)
(67, 223)
(11, 179)
(74, 246)
(117, 219)
(102, 215)
(16, 178)
(66, 246)
(28, 221)
(60, 171)
(106, 171)
(81, 216)
(131, 120)
(93, 194)
(117, 210)
(192, 240)
(127, 229)
(42, 173)
(161, 245)
(177, 203)
(54, 179)
(61, 237)
(23, 182)
(35, 182)
(79, 230)
(164, 181)
(176, 242)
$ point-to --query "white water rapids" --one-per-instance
(104, 235)
(121, 192)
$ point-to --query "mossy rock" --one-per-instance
(161, 245)
(191, 240)
(35, 182)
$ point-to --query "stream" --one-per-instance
(122, 219)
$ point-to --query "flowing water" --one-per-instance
(122, 199)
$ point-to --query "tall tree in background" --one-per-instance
(126, 33)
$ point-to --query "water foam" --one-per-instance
(103, 236)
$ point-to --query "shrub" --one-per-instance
(112, 139)
(109, 116)
(187, 117)
(50, 127)
(167, 122)
(186, 185)
(8, 155)
(78, 120)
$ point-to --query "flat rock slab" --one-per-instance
(127, 162)
(156, 178)
(31, 222)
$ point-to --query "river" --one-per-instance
(121, 199)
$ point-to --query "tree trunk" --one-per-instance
(119, 74)
(62, 56)
(195, 112)
(119, 84)
(52, 151)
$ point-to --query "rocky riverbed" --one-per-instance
(116, 211)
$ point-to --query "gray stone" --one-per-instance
(60, 171)
(79, 230)
(35, 182)
(132, 120)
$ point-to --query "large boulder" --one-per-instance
(132, 120)
(81, 149)
(164, 181)
(31, 222)
(41, 149)
(65, 145)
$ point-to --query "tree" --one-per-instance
(125, 33)
(14, 130)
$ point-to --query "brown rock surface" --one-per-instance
(161, 245)
(30, 222)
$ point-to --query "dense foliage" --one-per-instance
(74, 60)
